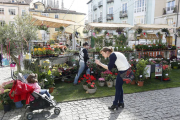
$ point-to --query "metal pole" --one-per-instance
(177, 23)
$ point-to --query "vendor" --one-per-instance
(83, 58)
(118, 59)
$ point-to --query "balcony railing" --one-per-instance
(100, 19)
(100, 4)
(168, 10)
(109, 16)
(95, 20)
(123, 14)
(94, 7)
(109, 1)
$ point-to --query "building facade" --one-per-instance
(166, 12)
(10, 8)
(121, 11)
(40, 9)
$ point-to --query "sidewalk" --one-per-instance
(152, 105)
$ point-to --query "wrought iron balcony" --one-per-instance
(100, 4)
(100, 19)
(94, 7)
(123, 14)
(109, 16)
(109, 1)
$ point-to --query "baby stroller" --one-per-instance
(39, 102)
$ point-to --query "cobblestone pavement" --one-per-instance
(152, 105)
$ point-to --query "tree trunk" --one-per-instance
(16, 60)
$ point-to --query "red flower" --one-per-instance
(84, 75)
(111, 73)
(93, 83)
(92, 86)
(88, 81)
(132, 65)
(115, 73)
(79, 81)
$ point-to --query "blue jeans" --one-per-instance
(44, 91)
(81, 69)
(119, 90)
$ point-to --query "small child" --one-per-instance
(32, 81)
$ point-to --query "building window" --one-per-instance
(12, 12)
(170, 21)
(23, 12)
(1, 10)
(111, 10)
(12, 1)
(56, 16)
(124, 7)
(56, 29)
(2, 23)
(36, 6)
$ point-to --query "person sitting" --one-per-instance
(32, 81)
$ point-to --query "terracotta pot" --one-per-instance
(51, 89)
(133, 82)
(140, 83)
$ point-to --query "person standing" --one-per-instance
(118, 59)
(83, 58)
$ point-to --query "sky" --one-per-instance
(78, 5)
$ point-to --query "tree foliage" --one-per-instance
(18, 35)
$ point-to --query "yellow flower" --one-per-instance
(39, 49)
(35, 49)
(60, 73)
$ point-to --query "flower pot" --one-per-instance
(140, 83)
(109, 83)
(165, 79)
(51, 89)
(91, 91)
(7, 108)
(85, 87)
(114, 82)
(133, 82)
(101, 84)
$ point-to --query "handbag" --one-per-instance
(127, 76)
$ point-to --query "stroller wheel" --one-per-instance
(29, 116)
(57, 110)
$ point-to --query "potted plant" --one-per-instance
(43, 28)
(5, 99)
(97, 30)
(86, 80)
(85, 32)
(101, 82)
(166, 70)
(139, 30)
(141, 71)
(50, 81)
(105, 32)
(91, 88)
(61, 28)
(109, 80)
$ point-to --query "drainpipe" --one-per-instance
(177, 22)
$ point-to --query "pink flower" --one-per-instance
(101, 79)
(92, 86)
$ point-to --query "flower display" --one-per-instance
(87, 79)
(91, 85)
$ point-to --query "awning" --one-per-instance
(51, 22)
(108, 26)
(152, 26)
